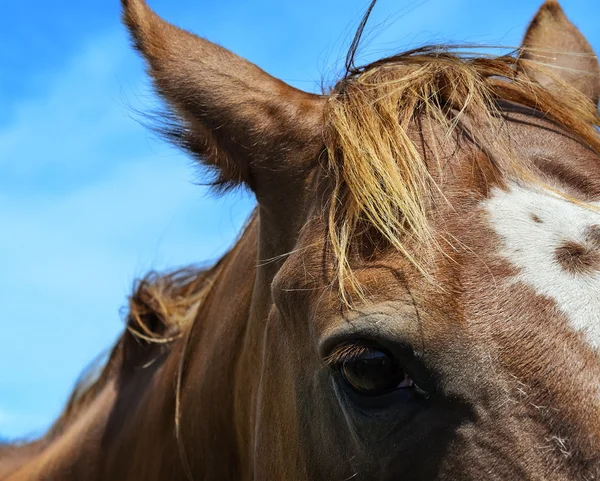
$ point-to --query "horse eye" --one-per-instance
(372, 372)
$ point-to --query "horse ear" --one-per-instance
(554, 43)
(226, 111)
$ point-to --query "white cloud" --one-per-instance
(67, 124)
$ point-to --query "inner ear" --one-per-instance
(554, 48)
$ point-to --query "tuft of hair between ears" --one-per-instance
(381, 177)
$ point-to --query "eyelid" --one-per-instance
(386, 324)
(345, 352)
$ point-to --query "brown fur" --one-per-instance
(227, 374)
(544, 54)
(578, 259)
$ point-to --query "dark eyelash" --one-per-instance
(344, 353)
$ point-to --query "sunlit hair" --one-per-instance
(163, 305)
(379, 174)
(161, 308)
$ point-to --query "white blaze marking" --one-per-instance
(531, 247)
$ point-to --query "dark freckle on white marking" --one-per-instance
(576, 258)
(536, 219)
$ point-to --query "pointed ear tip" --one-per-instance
(139, 18)
(134, 11)
(130, 5)
(552, 7)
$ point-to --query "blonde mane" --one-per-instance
(162, 307)
(379, 173)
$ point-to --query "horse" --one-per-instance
(416, 296)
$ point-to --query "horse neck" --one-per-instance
(12, 457)
(222, 340)
(192, 396)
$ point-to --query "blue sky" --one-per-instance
(89, 200)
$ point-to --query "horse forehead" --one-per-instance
(554, 246)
